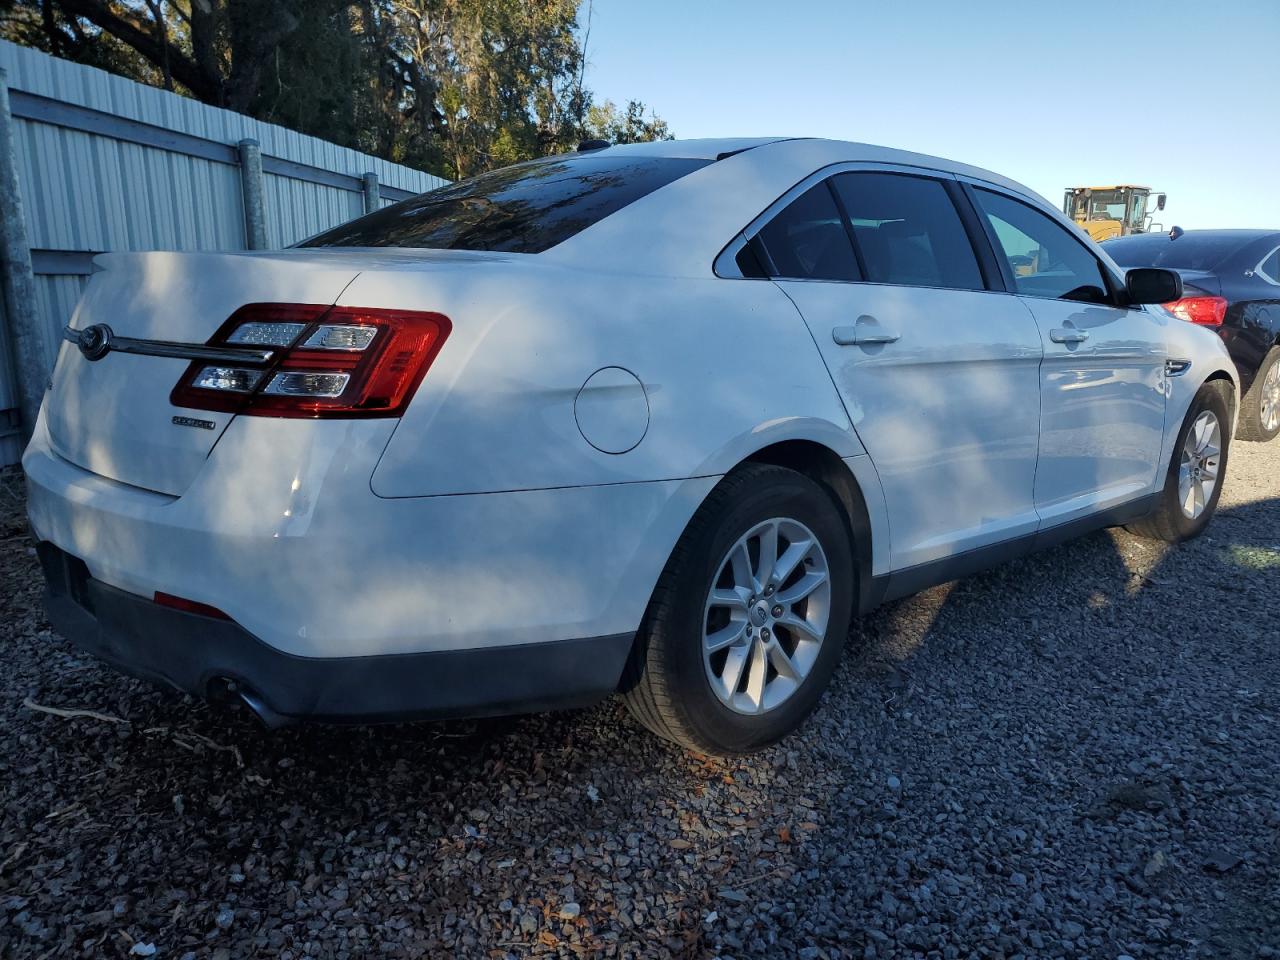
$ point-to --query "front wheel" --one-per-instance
(1193, 483)
(747, 622)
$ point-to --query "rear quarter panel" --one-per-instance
(727, 367)
(1252, 323)
(1209, 359)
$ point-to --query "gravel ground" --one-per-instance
(1076, 755)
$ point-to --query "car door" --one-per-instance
(1102, 389)
(939, 375)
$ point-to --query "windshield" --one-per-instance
(1188, 252)
(1106, 205)
(526, 208)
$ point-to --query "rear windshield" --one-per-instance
(1188, 252)
(526, 208)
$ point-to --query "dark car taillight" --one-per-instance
(1206, 311)
(327, 362)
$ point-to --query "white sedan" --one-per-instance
(658, 419)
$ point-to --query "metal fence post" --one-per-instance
(16, 278)
(255, 217)
(372, 197)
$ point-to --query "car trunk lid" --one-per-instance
(1200, 280)
(112, 415)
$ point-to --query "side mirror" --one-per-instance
(1153, 285)
(1159, 201)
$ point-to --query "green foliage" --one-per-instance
(452, 86)
(606, 123)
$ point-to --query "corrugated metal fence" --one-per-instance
(108, 164)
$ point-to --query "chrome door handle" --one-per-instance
(877, 338)
(863, 333)
(1068, 335)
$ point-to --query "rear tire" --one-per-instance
(730, 658)
(1260, 406)
(1199, 457)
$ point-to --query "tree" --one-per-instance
(452, 86)
(606, 123)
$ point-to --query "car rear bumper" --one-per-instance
(282, 533)
(206, 656)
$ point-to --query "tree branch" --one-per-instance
(131, 32)
(162, 38)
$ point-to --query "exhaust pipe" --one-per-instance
(270, 719)
(227, 689)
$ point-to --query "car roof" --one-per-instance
(1234, 233)
(679, 229)
(1235, 239)
(817, 148)
(709, 148)
(1195, 251)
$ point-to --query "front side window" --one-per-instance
(808, 241)
(526, 208)
(908, 231)
(1044, 258)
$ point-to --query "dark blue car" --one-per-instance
(1231, 282)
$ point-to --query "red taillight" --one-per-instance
(189, 606)
(327, 362)
(1206, 311)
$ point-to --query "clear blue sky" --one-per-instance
(1183, 97)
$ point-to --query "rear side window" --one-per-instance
(808, 241)
(526, 208)
(908, 231)
(1045, 259)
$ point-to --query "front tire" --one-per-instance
(1196, 471)
(1260, 406)
(747, 622)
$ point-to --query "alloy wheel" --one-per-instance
(1198, 471)
(766, 616)
(1271, 398)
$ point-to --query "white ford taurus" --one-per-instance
(658, 419)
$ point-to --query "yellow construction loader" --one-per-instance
(1106, 212)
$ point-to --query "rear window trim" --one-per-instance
(950, 187)
(1259, 272)
(725, 265)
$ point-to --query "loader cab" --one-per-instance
(1106, 212)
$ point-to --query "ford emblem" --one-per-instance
(95, 341)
